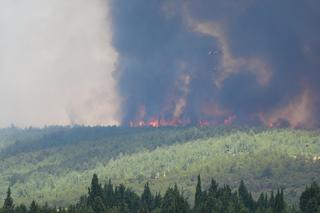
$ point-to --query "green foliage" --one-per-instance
(174, 201)
(95, 193)
(215, 199)
(198, 195)
(310, 199)
(55, 158)
(246, 197)
(147, 200)
(8, 202)
(34, 208)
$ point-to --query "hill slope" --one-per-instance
(42, 166)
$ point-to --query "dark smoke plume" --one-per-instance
(218, 61)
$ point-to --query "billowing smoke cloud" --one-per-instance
(56, 63)
(216, 61)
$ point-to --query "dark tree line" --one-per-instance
(220, 199)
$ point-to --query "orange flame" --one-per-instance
(230, 120)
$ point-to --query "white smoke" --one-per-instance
(56, 63)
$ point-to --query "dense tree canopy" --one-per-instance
(55, 158)
(215, 199)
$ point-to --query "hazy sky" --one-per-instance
(56, 63)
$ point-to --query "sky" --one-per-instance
(142, 62)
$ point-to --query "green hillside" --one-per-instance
(45, 162)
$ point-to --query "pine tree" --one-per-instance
(279, 205)
(198, 195)
(157, 200)
(261, 202)
(132, 200)
(8, 202)
(213, 187)
(266, 201)
(98, 206)
(272, 200)
(120, 195)
(21, 209)
(34, 208)
(147, 198)
(310, 199)
(246, 197)
(109, 195)
(95, 190)
(173, 201)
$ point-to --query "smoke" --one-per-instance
(56, 63)
(242, 61)
(166, 62)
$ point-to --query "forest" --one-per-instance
(221, 199)
(55, 164)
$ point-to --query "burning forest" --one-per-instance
(218, 62)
